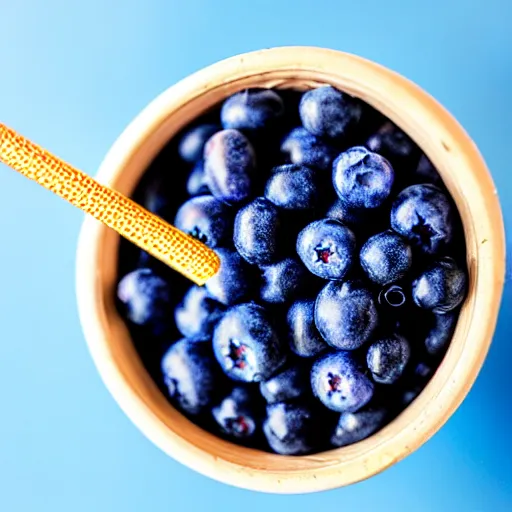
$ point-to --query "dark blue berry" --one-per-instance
(256, 231)
(206, 219)
(282, 281)
(192, 144)
(441, 333)
(197, 314)
(229, 164)
(246, 344)
(190, 374)
(303, 336)
(362, 179)
(303, 148)
(293, 187)
(146, 300)
(345, 315)
(340, 383)
(290, 428)
(327, 112)
(196, 184)
(386, 258)
(232, 281)
(252, 110)
(441, 288)
(387, 358)
(423, 215)
(290, 383)
(237, 415)
(355, 426)
(396, 146)
(327, 248)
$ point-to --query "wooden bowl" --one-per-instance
(464, 173)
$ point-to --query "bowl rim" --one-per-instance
(450, 149)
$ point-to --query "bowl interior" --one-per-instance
(466, 178)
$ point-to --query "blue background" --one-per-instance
(73, 75)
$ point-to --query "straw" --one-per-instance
(180, 251)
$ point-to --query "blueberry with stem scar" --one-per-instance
(340, 383)
(246, 344)
(423, 215)
(237, 414)
(327, 248)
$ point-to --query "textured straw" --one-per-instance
(180, 251)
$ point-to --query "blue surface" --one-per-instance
(73, 75)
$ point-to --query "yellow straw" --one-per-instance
(180, 251)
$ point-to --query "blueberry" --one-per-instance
(252, 110)
(385, 258)
(423, 215)
(290, 383)
(362, 179)
(146, 300)
(206, 219)
(231, 283)
(237, 415)
(190, 375)
(196, 184)
(345, 315)
(347, 215)
(192, 144)
(327, 248)
(393, 296)
(293, 187)
(395, 145)
(441, 288)
(229, 164)
(246, 344)
(197, 314)
(355, 426)
(440, 333)
(303, 336)
(256, 231)
(327, 112)
(282, 281)
(340, 383)
(387, 358)
(290, 428)
(302, 148)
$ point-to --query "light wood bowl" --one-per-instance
(464, 173)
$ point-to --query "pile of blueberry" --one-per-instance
(342, 271)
